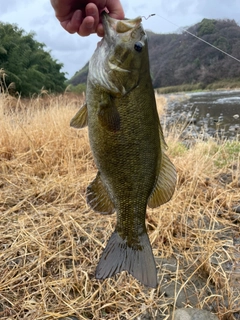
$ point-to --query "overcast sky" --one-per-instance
(74, 51)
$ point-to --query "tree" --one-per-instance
(27, 63)
(206, 26)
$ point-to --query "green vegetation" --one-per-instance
(28, 67)
(181, 88)
(78, 89)
(206, 26)
(221, 84)
(228, 154)
(178, 149)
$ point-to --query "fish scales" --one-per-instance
(128, 147)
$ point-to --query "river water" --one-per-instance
(210, 113)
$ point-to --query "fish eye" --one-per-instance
(138, 46)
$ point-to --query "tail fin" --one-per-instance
(118, 256)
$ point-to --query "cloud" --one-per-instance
(214, 9)
(12, 6)
(70, 49)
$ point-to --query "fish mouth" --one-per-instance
(112, 26)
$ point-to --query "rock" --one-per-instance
(225, 178)
(171, 288)
(235, 218)
(236, 209)
(193, 314)
(192, 121)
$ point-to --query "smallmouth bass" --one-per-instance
(128, 147)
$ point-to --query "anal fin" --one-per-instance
(165, 184)
(98, 197)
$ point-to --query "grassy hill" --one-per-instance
(180, 59)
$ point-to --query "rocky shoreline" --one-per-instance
(203, 115)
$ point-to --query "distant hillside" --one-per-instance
(80, 76)
(177, 59)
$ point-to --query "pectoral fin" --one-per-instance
(98, 197)
(109, 117)
(165, 185)
(80, 120)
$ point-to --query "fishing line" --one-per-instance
(193, 35)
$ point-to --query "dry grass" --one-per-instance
(51, 241)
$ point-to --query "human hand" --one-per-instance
(83, 16)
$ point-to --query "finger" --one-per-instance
(100, 30)
(91, 21)
(87, 27)
(92, 11)
(115, 9)
(72, 25)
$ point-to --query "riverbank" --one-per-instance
(205, 114)
(51, 241)
(218, 85)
